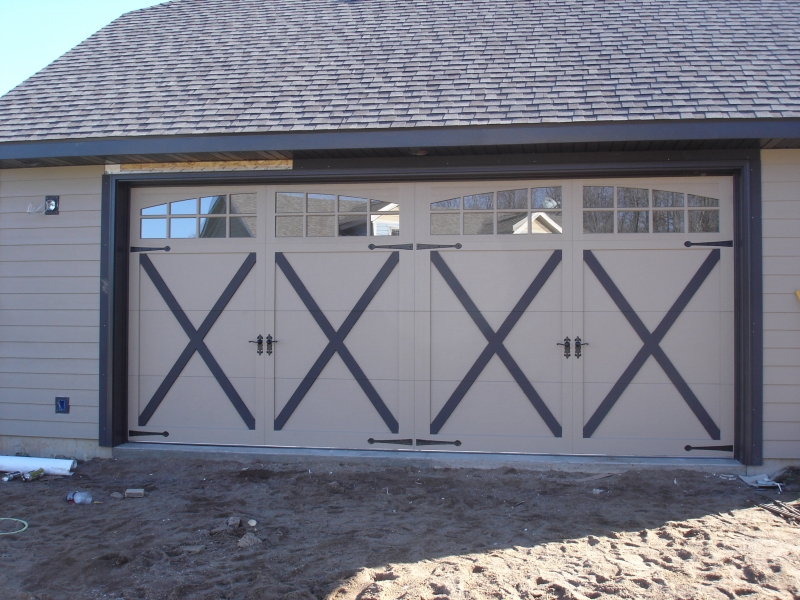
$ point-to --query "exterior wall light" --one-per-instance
(51, 205)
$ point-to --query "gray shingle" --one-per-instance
(231, 66)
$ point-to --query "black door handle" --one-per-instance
(566, 345)
(259, 341)
(578, 345)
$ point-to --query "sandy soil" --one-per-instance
(356, 532)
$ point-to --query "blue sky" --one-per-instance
(33, 33)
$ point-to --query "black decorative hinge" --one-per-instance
(147, 249)
(143, 433)
(717, 448)
(726, 244)
(391, 247)
(437, 443)
(437, 246)
(406, 442)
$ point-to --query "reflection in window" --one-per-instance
(289, 202)
(512, 200)
(320, 226)
(183, 207)
(514, 223)
(214, 205)
(348, 204)
(182, 228)
(479, 202)
(355, 225)
(154, 228)
(702, 201)
(598, 197)
(667, 199)
(546, 197)
(388, 224)
(347, 216)
(444, 224)
(546, 222)
(160, 209)
(633, 198)
(601, 221)
(243, 227)
(204, 217)
(289, 226)
(212, 227)
(478, 223)
(667, 221)
(629, 221)
(451, 204)
(703, 221)
(318, 203)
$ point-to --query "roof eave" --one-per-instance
(424, 137)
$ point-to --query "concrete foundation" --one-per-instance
(52, 447)
(436, 460)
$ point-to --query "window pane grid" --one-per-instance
(219, 216)
(504, 212)
(307, 214)
(640, 210)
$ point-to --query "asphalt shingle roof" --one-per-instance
(234, 66)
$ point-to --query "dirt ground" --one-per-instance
(357, 532)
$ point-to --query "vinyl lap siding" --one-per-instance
(49, 302)
(781, 226)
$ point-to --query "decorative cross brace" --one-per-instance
(651, 343)
(495, 341)
(196, 340)
(336, 341)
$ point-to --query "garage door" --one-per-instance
(196, 301)
(558, 316)
(342, 273)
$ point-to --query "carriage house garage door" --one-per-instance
(559, 316)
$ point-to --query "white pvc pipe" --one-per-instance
(26, 464)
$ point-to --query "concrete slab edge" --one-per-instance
(427, 459)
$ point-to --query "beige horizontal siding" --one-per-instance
(49, 302)
(781, 262)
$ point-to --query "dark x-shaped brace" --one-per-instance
(495, 341)
(196, 340)
(651, 343)
(336, 341)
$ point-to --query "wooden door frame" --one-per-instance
(743, 166)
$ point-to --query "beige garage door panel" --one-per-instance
(326, 387)
(474, 395)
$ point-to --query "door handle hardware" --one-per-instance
(259, 341)
(391, 246)
(269, 341)
(578, 345)
(566, 345)
(407, 442)
(148, 249)
(436, 246)
(142, 433)
(726, 244)
(718, 448)
(437, 443)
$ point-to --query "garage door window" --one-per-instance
(207, 217)
(505, 212)
(607, 209)
(300, 214)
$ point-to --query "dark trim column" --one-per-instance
(114, 248)
(748, 308)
